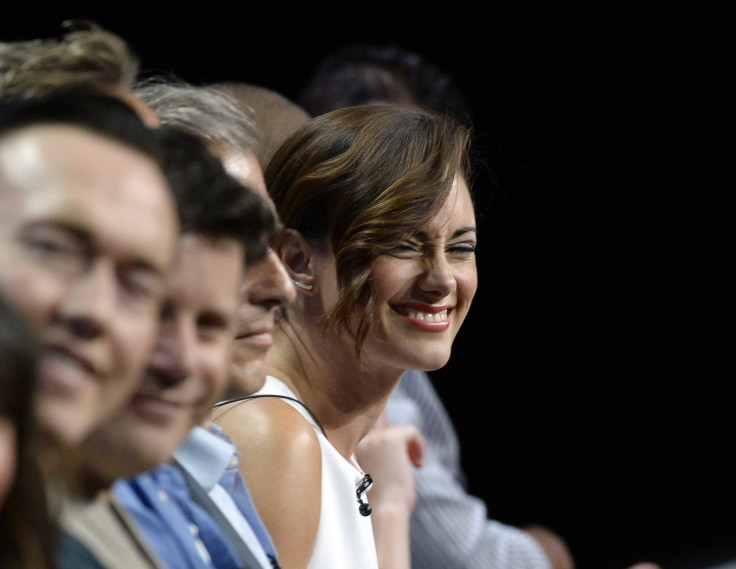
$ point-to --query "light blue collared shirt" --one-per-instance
(210, 457)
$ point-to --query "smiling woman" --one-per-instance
(428, 280)
(379, 226)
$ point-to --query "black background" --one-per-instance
(590, 383)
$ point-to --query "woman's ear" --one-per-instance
(296, 255)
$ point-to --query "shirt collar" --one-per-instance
(206, 454)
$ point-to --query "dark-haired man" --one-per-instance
(223, 222)
(88, 232)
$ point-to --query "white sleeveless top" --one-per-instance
(344, 537)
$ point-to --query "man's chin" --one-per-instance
(156, 453)
(62, 423)
(247, 379)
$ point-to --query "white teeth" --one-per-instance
(428, 316)
(66, 359)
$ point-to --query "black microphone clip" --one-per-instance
(365, 484)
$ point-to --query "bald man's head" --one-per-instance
(276, 116)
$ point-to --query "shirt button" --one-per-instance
(163, 496)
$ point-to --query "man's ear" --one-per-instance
(296, 255)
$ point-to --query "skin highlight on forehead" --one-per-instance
(129, 185)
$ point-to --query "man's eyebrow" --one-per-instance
(89, 239)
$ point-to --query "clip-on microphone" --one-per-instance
(365, 484)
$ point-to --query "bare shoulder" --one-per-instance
(282, 464)
(268, 423)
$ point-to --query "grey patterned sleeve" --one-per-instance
(450, 528)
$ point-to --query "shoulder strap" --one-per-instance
(314, 418)
(201, 497)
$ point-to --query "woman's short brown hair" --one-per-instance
(361, 179)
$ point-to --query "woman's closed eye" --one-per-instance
(405, 248)
(462, 250)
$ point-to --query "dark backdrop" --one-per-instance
(590, 384)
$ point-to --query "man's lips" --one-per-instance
(262, 339)
(159, 409)
(64, 369)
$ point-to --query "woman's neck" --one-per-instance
(325, 373)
